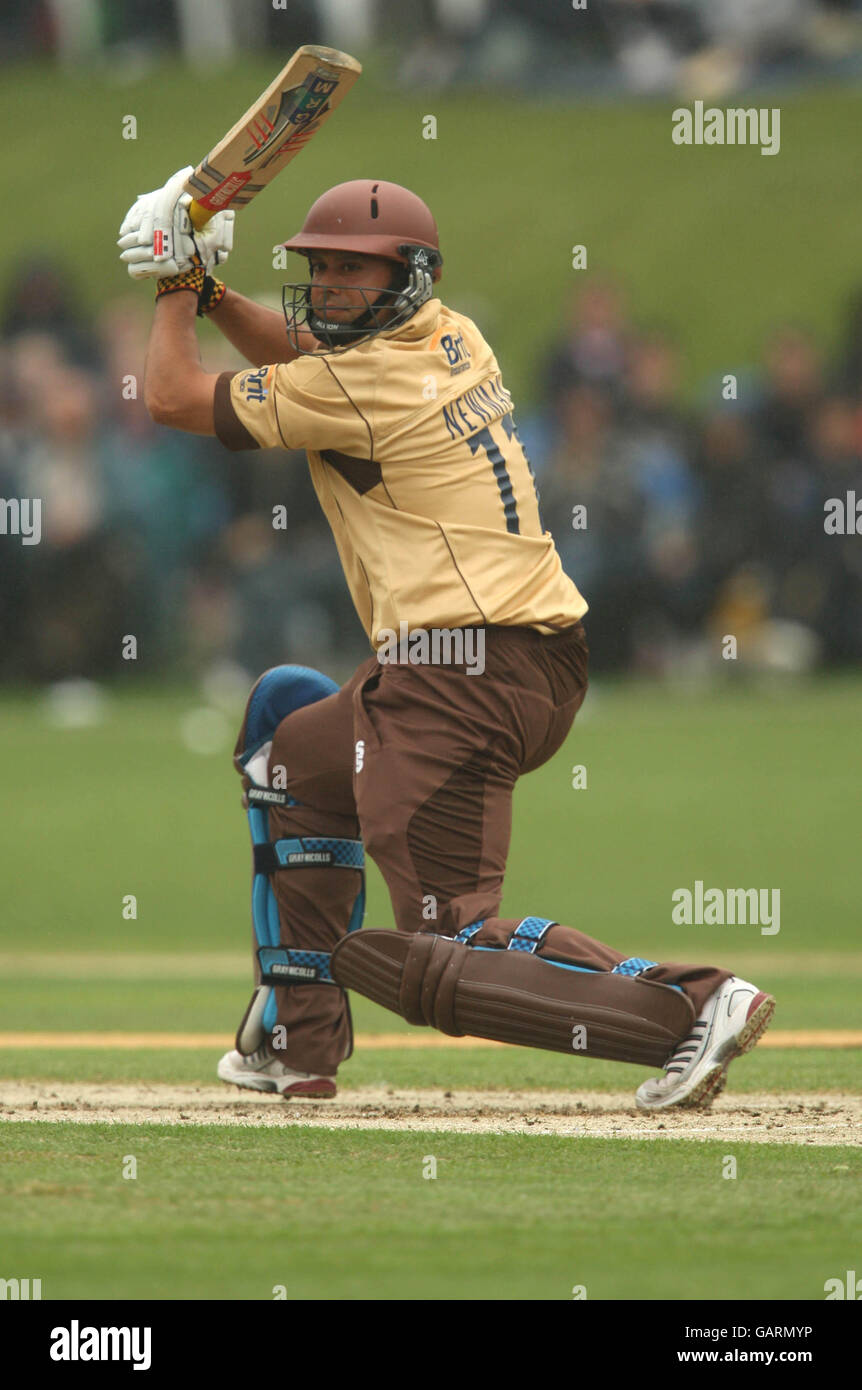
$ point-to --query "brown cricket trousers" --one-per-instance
(419, 761)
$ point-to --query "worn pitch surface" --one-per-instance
(804, 1118)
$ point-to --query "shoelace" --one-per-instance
(686, 1050)
(260, 1056)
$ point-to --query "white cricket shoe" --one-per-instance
(733, 1020)
(261, 1071)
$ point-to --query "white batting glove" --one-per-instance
(157, 238)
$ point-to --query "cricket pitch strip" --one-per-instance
(805, 1117)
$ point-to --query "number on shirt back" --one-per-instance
(484, 439)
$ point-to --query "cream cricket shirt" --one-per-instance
(417, 464)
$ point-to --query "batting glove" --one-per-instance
(157, 239)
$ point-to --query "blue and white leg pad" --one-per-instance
(284, 965)
(278, 693)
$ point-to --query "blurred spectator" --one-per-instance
(794, 386)
(704, 48)
(595, 348)
(850, 364)
(591, 505)
(42, 301)
(832, 569)
(694, 523)
(729, 467)
(75, 587)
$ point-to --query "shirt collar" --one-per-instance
(419, 325)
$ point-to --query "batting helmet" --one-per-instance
(371, 217)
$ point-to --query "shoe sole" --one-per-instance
(310, 1090)
(713, 1082)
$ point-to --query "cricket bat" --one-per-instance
(272, 132)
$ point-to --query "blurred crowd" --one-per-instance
(694, 47)
(680, 525)
(709, 521)
(145, 531)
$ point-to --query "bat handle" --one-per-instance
(199, 216)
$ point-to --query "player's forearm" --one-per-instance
(177, 391)
(260, 334)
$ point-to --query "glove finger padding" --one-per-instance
(142, 249)
(148, 227)
(155, 249)
(219, 233)
(213, 244)
(159, 200)
(132, 220)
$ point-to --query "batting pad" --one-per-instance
(276, 695)
(514, 996)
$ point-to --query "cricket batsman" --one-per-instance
(478, 668)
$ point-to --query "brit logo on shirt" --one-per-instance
(253, 387)
(457, 353)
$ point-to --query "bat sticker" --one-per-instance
(298, 108)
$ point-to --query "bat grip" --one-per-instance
(199, 216)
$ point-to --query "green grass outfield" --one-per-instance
(231, 1214)
(737, 787)
(718, 243)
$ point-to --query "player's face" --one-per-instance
(341, 273)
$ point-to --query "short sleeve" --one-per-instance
(244, 411)
(292, 405)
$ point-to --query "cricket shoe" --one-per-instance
(261, 1071)
(734, 1018)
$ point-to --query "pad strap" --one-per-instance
(310, 852)
(635, 965)
(529, 934)
(467, 933)
(284, 965)
(266, 796)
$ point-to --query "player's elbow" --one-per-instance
(163, 410)
(190, 408)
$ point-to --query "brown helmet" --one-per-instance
(371, 217)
